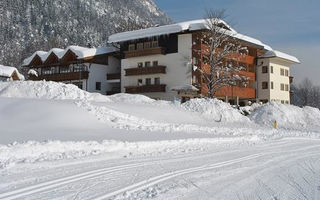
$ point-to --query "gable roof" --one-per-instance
(7, 71)
(80, 52)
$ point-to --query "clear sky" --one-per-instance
(292, 26)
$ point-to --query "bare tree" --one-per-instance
(222, 55)
(306, 94)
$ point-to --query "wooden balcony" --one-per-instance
(62, 76)
(145, 89)
(144, 52)
(113, 76)
(250, 75)
(236, 91)
(290, 79)
(145, 70)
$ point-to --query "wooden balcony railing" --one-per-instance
(250, 75)
(236, 91)
(62, 76)
(145, 89)
(144, 52)
(113, 76)
(145, 70)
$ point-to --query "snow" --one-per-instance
(81, 52)
(187, 87)
(33, 72)
(7, 71)
(178, 28)
(287, 116)
(41, 54)
(278, 54)
(59, 142)
(214, 109)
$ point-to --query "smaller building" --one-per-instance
(10, 74)
(91, 69)
(273, 75)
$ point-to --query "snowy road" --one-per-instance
(234, 173)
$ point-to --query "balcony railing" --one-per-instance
(145, 70)
(62, 76)
(145, 89)
(113, 76)
(250, 75)
(236, 91)
(144, 52)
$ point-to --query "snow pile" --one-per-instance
(131, 98)
(46, 90)
(32, 151)
(214, 109)
(287, 116)
(247, 110)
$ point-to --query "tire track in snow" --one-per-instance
(63, 181)
(99, 172)
(167, 176)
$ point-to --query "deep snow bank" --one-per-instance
(214, 109)
(287, 116)
(62, 91)
(43, 90)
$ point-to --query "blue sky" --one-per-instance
(292, 26)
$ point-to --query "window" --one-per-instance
(282, 87)
(271, 86)
(157, 81)
(287, 102)
(282, 101)
(147, 64)
(98, 85)
(147, 45)
(79, 84)
(264, 85)
(148, 81)
(140, 46)
(155, 63)
(155, 44)
(282, 72)
(271, 69)
(287, 72)
(287, 87)
(140, 65)
(265, 69)
(132, 47)
(139, 82)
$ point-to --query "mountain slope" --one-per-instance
(29, 25)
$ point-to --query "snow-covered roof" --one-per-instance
(41, 54)
(57, 51)
(177, 28)
(81, 52)
(7, 71)
(186, 87)
(279, 54)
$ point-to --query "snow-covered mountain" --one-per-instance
(29, 25)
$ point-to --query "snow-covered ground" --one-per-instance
(59, 142)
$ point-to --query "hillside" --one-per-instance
(29, 25)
